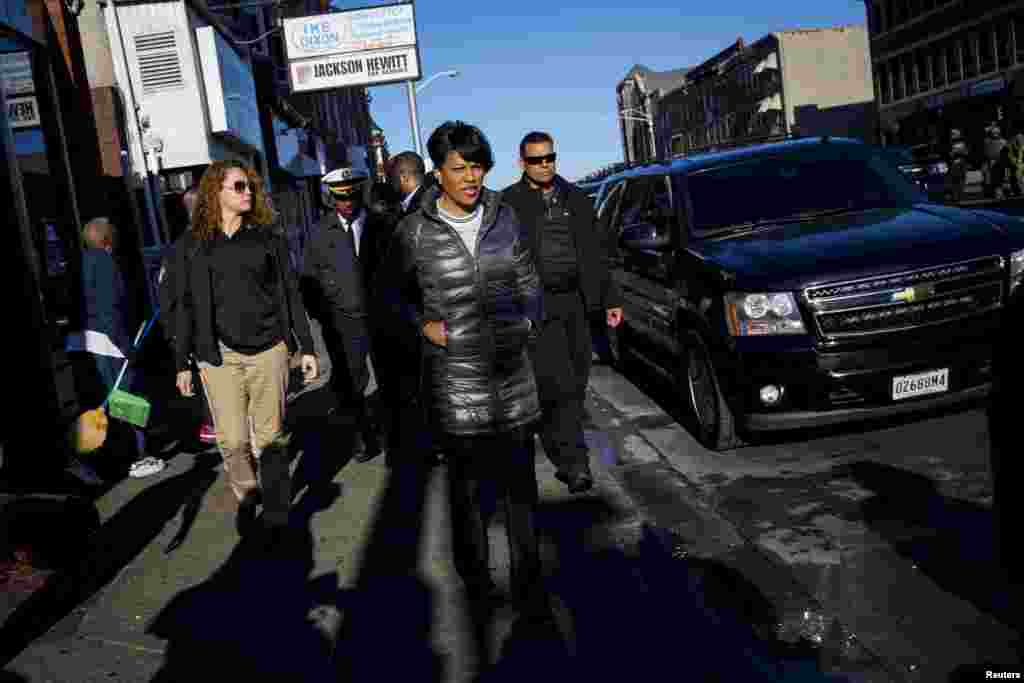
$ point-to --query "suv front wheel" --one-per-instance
(713, 419)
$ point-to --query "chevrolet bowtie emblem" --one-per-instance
(911, 294)
(906, 295)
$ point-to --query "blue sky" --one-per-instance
(553, 65)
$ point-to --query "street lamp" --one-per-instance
(451, 73)
(413, 109)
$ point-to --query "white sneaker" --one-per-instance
(145, 467)
(83, 473)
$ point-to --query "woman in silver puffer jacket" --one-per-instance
(463, 282)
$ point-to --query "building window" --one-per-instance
(1004, 45)
(924, 70)
(954, 67)
(969, 54)
(986, 50)
(938, 59)
(898, 91)
(882, 78)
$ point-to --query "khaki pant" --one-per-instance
(247, 399)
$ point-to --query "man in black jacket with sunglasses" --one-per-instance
(572, 259)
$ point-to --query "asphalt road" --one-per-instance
(887, 526)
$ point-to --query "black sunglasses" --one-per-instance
(241, 186)
(537, 161)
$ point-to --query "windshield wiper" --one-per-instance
(750, 226)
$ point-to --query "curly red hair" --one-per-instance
(206, 216)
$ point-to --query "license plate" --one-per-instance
(920, 384)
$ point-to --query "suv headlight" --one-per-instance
(758, 314)
(1016, 269)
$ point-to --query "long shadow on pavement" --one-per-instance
(322, 435)
(255, 617)
(388, 613)
(260, 615)
(639, 613)
(111, 548)
(937, 533)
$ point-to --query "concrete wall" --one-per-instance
(99, 65)
(828, 70)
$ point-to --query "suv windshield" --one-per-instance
(774, 189)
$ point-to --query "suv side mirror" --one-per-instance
(645, 237)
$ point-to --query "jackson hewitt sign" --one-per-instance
(359, 47)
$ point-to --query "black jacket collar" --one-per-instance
(561, 185)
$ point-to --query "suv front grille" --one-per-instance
(903, 301)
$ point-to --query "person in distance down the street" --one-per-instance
(572, 259)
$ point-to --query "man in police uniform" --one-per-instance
(341, 256)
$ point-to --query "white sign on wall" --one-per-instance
(16, 73)
(340, 71)
(230, 89)
(370, 46)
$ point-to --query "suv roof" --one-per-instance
(699, 162)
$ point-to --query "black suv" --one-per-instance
(805, 283)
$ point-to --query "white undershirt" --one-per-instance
(468, 228)
(356, 226)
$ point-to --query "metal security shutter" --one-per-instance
(159, 62)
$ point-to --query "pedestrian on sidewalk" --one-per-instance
(408, 177)
(340, 260)
(993, 170)
(239, 313)
(167, 290)
(462, 278)
(398, 364)
(959, 156)
(572, 259)
(105, 345)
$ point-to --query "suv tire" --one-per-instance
(713, 420)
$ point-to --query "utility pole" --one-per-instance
(414, 119)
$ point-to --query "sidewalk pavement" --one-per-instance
(363, 586)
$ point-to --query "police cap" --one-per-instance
(344, 182)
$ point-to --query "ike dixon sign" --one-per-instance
(369, 46)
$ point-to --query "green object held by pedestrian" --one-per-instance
(128, 408)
